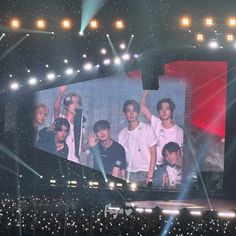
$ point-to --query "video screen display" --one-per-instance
(112, 125)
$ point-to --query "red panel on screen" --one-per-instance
(208, 80)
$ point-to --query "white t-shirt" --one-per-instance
(137, 144)
(70, 141)
(164, 136)
(175, 175)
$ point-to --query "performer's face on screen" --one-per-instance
(103, 134)
(74, 104)
(165, 111)
(131, 114)
(61, 134)
(41, 115)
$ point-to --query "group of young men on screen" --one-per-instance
(145, 153)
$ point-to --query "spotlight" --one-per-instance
(93, 184)
(119, 185)
(196, 213)
(84, 56)
(111, 185)
(107, 35)
(97, 66)
(103, 51)
(232, 21)
(199, 37)
(148, 210)
(32, 81)
(136, 56)
(119, 24)
(88, 66)
(72, 183)
(133, 186)
(125, 57)
(226, 214)
(40, 24)
(122, 46)
(51, 76)
(117, 61)
(81, 33)
(170, 212)
(14, 86)
(65, 61)
(69, 71)
(213, 44)
(140, 210)
(93, 24)
(66, 24)
(209, 21)
(46, 65)
(41, 176)
(185, 21)
(229, 37)
(15, 23)
(107, 62)
(52, 182)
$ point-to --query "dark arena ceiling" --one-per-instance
(155, 25)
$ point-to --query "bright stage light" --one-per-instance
(136, 56)
(148, 210)
(229, 37)
(122, 46)
(66, 24)
(69, 71)
(103, 51)
(133, 186)
(226, 214)
(126, 57)
(72, 183)
(170, 212)
(41, 177)
(232, 21)
(199, 37)
(65, 61)
(14, 86)
(52, 182)
(140, 210)
(32, 81)
(93, 184)
(119, 24)
(88, 66)
(84, 56)
(40, 24)
(117, 61)
(111, 185)
(51, 76)
(81, 33)
(15, 23)
(107, 62)
(209, 21)
(214, 44)
(196, 213)
(185, 21)
(93, 24)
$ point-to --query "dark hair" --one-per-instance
(170, 148)
(101, 125)
(59, 122)
(68, 98)
(131, 102)
(167, 100)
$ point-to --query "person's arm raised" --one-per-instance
(143, 105)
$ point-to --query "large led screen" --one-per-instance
(113, 125)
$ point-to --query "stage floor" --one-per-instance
(192, 205)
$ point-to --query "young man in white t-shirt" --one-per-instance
(174, 164)
(139, 141)
(165, 128)
(73, 114)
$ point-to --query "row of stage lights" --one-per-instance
(66, 24)
(71, 72)
(95, 184)
(186, 22)
(133, 187)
